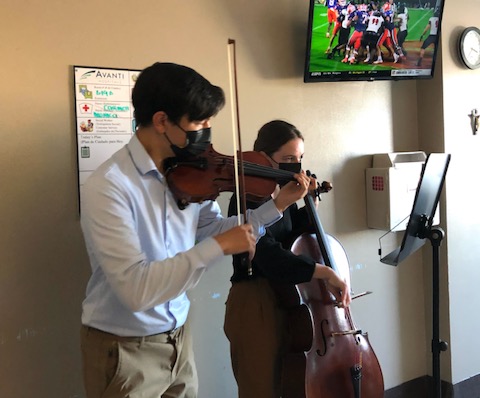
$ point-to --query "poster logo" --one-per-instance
(83, 90)
(86, 75)
(85, 109)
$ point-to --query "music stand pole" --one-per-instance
(435, 236)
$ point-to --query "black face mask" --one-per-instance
(197, 142)
(293, 167)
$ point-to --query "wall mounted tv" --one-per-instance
(372, 39)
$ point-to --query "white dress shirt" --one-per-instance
(146, 253)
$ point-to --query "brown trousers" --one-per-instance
(158, 366)
(255, 327)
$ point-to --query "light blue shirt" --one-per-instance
(146, 253)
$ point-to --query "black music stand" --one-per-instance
(419, 228)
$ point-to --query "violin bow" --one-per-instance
(238, 155)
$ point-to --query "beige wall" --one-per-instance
(460, 96)
(43, 263)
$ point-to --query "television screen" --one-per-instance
(372, 40)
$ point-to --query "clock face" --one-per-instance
(470, 47)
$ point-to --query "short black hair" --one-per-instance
(176, 90)
(273, 135)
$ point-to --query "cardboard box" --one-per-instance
(391, 186)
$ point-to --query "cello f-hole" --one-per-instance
(320, 353)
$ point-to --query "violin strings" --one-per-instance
(257, 169)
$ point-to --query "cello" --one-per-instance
(329, 357)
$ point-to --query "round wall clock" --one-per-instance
(469, 47)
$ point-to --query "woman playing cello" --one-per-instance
(255, 322)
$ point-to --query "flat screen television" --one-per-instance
(372, 40)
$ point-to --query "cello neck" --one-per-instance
(320, 233)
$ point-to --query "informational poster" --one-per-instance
(104, 114)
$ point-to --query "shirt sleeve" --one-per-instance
(279, 264)
(117, 253)
(273, 259)
(212, 223)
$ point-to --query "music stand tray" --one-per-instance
(424, 207)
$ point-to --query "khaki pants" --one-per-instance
(159, 366)
(255, 327)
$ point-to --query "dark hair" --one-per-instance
(273, 135)
(176, 90)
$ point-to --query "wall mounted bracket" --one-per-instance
(474, 121)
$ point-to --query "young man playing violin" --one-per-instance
(143, 249)
(255, 322)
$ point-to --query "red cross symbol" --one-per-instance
(85, 108)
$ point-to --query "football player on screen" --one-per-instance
(375, 27)
(360, 17)
(331, 14)
(341, 9)
(432, 26)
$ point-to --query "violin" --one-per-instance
(330, 356)
(204, 177)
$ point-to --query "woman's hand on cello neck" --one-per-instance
(292, 191)
(313, 189)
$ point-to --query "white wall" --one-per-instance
(43, 263)
(460, 96)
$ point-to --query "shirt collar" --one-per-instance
(140, 157)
